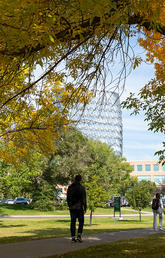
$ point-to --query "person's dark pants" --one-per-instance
(76, 214)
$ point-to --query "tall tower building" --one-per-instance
(102, 120)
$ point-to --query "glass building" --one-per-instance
(102, 120)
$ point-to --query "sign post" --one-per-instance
(117, 205)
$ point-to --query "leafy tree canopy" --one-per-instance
(79, 40)
(24, 179)
(74, 154)
(139, 196)
(96, 194)
(112, 168)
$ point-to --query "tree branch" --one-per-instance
(88, 30)
(45, 74)
(26, 129)
(157, 27)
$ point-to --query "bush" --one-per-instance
(62, 206)
(43, 198)
(43, 204)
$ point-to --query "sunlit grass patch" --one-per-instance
(14, 230)
(27, 210)
(148, 246)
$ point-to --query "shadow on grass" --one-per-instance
(11, 226)
(63, 220)
(16, 206)
(38, 234)
(127, 221)
(7, 209)
(52, 228)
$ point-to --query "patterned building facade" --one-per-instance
(102, 120)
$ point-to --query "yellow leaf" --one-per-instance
(51, 38)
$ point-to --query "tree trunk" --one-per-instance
(91, 218)
(140, 215)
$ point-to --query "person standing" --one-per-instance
(157, 207)
(76, 199)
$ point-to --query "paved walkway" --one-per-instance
(47, 247)
(146, 214)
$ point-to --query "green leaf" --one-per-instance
(51, 38)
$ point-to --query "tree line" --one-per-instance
(104, 173)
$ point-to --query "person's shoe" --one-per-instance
(162, 229)
(74, 240)
(79, 239)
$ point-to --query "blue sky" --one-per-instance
(139, 144)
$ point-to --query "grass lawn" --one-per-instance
(26, 210)
(148, 246)
(14, 230)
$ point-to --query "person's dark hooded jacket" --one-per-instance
(76, 197)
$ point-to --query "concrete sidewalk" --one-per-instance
(2, 217)
(52, 246)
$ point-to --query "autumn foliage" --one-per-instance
(72, 43)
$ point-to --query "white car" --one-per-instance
(10, 201)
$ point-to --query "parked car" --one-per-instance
(124, 202)
(20, 200)
(109, 204)
(2, 201)
(10, 201)
(29, 201)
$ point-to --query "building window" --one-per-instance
(156, 167)
(159, 179)
(139, 167)
(148, 167)
(147, 178)
(163, 167)
(133, 167)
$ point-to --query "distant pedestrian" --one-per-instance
(76, 199)
(158, 209)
